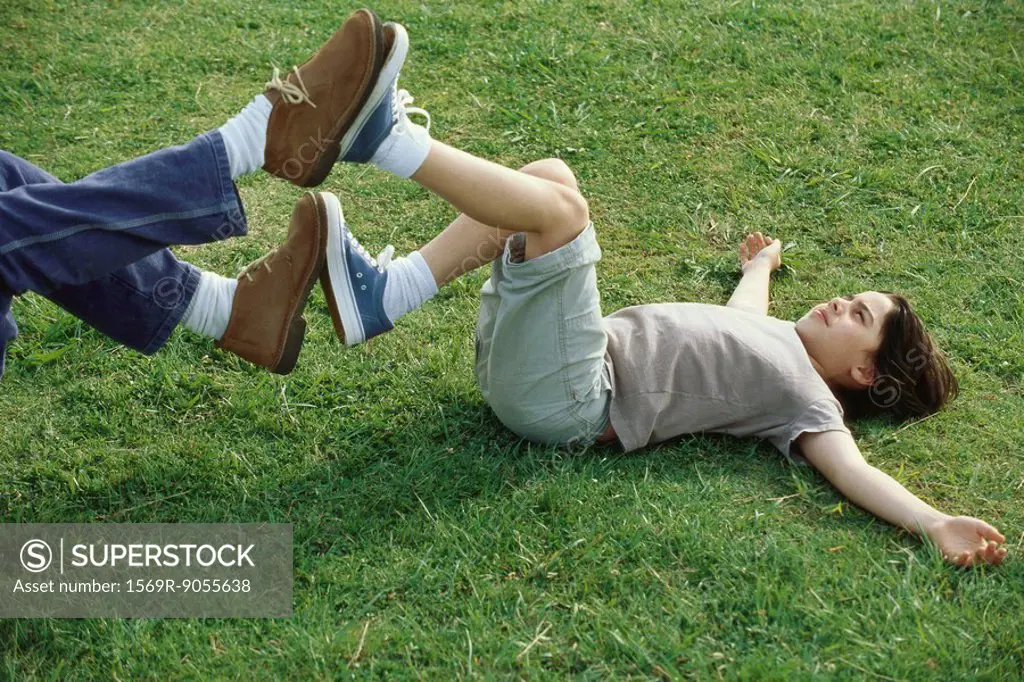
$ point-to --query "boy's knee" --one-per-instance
(576, 211)
(554, 170)
(570, 212)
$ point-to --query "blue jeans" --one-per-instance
(98, 247)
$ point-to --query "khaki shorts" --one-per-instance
(541, 343)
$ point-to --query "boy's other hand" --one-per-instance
(757, 248)
(966, 541)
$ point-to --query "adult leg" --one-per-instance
(258, 317)
(142, 301)
(96, 246)
(14, 172)
(54, 234)
(140, 304)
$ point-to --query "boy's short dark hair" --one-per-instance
(913, 378)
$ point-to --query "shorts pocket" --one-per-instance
(584, 344)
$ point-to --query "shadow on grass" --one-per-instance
(352, 484)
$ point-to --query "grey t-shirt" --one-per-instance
(689, 367)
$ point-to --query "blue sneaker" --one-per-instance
(353, 282)
(386, 107)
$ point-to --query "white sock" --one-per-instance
(245, 137)
(210, 310)
(403, 153)
(410, 285)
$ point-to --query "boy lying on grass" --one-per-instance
(554, 371)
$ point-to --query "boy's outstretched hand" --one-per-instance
(966, 541)
(757, 248)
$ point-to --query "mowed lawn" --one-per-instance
(883, 140)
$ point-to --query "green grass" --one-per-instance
(886, 140)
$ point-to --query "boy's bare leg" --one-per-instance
(541, 200)
(557, 216)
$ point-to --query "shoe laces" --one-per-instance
(401, 110)
(293, 93)
(383, 259)
(263, 262)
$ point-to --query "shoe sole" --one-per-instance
(323, 165)
(341, 301)
(390, 68)
(292, 345)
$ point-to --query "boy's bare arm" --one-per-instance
(751, 294)
(760, 256)
(961, 539)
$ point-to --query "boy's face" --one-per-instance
(844, 334)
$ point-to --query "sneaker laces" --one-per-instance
(383, 259)
(256, 264)
(292, 93)
(400, 108)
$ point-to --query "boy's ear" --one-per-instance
(864, 375)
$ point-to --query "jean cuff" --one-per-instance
(189, 283)
(228, 190)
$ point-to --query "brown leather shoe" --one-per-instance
(266, 325)
(317, 102)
